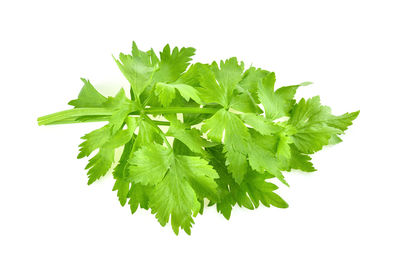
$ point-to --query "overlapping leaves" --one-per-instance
(200, 134)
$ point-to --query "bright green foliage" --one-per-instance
(276, 103)
(88, 97)
(178, 182)
(199, 135)
(191, 137)
(138, 68)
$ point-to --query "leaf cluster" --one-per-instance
(196, 135)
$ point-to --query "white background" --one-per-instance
(345, 213)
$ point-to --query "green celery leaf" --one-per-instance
(308, 112)
(250, 80)
(173, 64)
(342, 122)
(121, 107)
(138, 68)
(309, 118)
(261, 191)
(228, 74)
(191, 137)
(94, 140)
(312, 138)
(121, 185)
(149, 164)
(166, 92)
(262, 156)
(176, 179)
(260, 159)
(171, 67)
(218, 83)
(139, 195)
(88, 97)
(147, 134)
(99, 164)
(276, 103)
(260, 123)
(244, 102)
(236, 140)
(210, 91)
(283, 150)
(200, 175)
(182, 149)
(335, 139)
(174, 197)
(300, 161)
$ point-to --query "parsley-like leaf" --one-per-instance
(197, 135)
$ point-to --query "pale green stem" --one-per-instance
(180, 110)
(73, 113)
(69, 116)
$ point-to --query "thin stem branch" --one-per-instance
(161, 123)
(150, 96)
(99, 119)
(70, 116)
(180, 110)
(75, 120)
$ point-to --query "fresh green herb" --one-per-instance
(198, 135)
